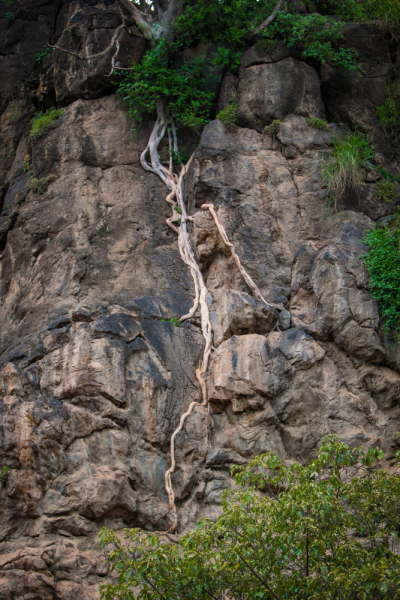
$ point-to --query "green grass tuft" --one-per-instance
(317, 123)
(174, 320)
(344, 170)
(42, 121)
(386, 12)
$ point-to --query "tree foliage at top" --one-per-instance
(321, 532)
(231, 26)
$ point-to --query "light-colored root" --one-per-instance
(174, 199)
(201, 292)
(254, 288)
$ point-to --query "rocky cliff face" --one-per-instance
(93, 377)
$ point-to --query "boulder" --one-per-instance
(275, 90)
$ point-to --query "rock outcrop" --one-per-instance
(94, 376)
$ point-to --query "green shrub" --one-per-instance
(178, 157)
(39, 186)
(4, 472)
(229, 115)
(388, 115)
(344, 170)
(383, 265)
(274, 127)
(42, 121)
(317, 123)
(321, 532)
(184, 89)
(317, 35)
(386, 191)
(10, 16)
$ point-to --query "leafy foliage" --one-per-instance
(322, 532)
(43, 120)
(386, 191)
(39, 186)
(28, 166)
(226, 24)
(157, 79)
(343, 171)
(319, 36)
(274, 127)
(383, 265)
(10, 16)
(161, 76)
(386, 175)
(317, 123)
(179, 157)
(42, 54)
(4, 472)
(229, 115)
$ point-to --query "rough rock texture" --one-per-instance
(93, 378)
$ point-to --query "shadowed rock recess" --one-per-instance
(93, 377)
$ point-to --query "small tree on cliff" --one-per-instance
(321, 532)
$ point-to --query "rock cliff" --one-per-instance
(93, 375)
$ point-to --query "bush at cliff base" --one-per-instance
(326, 531)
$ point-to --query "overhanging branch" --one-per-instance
(266, 21)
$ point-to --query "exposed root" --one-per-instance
(150, 160)
(254, 288)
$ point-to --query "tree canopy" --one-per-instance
(328, 531)
(230, 26)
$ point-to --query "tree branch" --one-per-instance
(142, 19)
(265, 584)
(267, 21)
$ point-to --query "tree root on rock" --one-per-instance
(150, 160)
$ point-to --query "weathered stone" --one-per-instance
(94, 379)
(275, 90)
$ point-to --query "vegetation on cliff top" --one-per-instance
(183, 85)
(328, 531)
